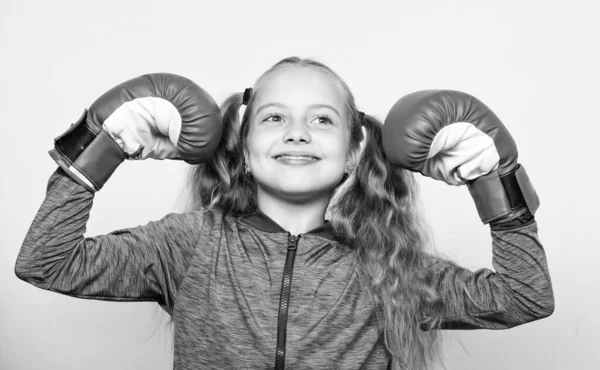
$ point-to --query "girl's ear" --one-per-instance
(246, 164)
(356, 155)
(245, 155)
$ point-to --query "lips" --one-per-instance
(296, 159)
(296, 156)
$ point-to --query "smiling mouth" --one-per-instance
(296, 157)
(296, 160)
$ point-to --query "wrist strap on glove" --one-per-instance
(89, 156)
(497, 195)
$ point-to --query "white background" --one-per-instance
(535, 63)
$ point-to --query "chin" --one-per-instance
(305, 188)
(302, 189)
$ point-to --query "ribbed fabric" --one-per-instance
(220, 279)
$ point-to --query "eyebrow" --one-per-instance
(283, 106)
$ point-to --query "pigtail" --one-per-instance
(377, 216)
(221, 181)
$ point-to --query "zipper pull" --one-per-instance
(292, 242)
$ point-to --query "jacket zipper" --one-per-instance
(284, 300)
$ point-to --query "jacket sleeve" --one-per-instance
(517, 292)
(144, 263)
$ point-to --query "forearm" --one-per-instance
(518, 291)
(56, 256)
(520, 262)
(57, 228)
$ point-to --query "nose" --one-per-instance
(297, 131)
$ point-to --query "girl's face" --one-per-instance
(298, 140)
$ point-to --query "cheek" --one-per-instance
(258, 144)
(252, 140)
(337, 149)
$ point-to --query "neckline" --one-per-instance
(261, 221)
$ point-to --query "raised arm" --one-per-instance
(144, 263)
(453, 137)
(161, 116)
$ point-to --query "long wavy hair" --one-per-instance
(374, 212)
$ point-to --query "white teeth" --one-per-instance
(299, 157)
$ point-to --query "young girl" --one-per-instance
(255, 276)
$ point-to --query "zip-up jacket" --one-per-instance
(246, 294)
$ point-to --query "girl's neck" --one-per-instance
(297, 218)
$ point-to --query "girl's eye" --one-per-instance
(273, 118)
(324, 120)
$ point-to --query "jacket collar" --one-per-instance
(261, 221)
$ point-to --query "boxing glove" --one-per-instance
(453, 137)
(161, 116)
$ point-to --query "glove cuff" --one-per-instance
(498, 195)
(89, 157)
